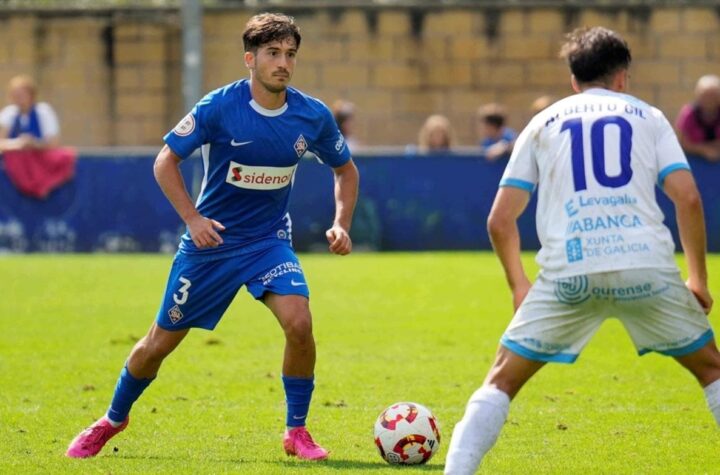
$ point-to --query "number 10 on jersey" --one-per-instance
(597, 147)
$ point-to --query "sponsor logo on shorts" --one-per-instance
(628, 292)
(259, 178)
(300, 146)
(282, 269)
(175, 314)
(544, 346)
(186, 126)
(576, 290)
(572, 290)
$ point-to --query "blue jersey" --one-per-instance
(250, 155)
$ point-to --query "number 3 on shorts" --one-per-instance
(183, 291)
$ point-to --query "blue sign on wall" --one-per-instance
(406, 203)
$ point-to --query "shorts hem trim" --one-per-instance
(685, 350)
(536, 356)
(175, 328)
(279, 292)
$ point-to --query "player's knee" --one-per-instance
(299, 330)
(152, 349)
(703, 364)
(708, 372)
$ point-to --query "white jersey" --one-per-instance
(49, 124)
(596, 158)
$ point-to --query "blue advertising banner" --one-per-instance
(407, 203)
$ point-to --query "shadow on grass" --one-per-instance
(357, 465)
(176, 457)
(297, 465)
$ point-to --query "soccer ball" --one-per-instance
(406, 433)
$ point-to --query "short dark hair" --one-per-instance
(265, 28)
(595, 53)
(492, 114)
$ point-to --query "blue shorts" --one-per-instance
(200, 290)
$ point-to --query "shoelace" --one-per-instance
(96, 434)
(305, 437)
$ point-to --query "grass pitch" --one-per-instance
(389, 327)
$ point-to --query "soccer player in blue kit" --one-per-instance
(252, 134)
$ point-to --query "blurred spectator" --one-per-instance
(29, 138)
(698, 123)
(496, 140)
(344, 113)
(541, 103)
(436, 135)
(25, 123)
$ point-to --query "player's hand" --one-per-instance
(712, 153)
(519, 292)
(339, 239)
(204, 231)
(702, 294)
(497, 151)
(21, 142)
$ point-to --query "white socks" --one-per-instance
(112, 422)
(479, 428)
(485, 416)
(712, 396)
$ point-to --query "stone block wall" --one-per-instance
(115, 77)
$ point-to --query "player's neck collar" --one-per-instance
(267, 112)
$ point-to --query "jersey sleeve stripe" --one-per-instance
(517, 183)
(669, 169)
(537, 356)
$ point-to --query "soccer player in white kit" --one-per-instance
(595, 158)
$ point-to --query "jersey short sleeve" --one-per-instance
(7, 116)
(331, 147)
(669, 152)
(49, 124)
(191, 132)
(522, 170)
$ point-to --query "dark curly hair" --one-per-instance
(265, 28)
(595, 54)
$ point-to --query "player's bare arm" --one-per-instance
(22, 142)
(204, 231)
(680, 187)
(347, 180)
(509, 204)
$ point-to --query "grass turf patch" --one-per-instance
(389, 327)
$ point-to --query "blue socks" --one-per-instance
(298, 392)
(127, 391)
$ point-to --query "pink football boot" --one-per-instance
(298, 442)
(90, 441)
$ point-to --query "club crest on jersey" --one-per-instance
(186, 126)
(300, 146)
(175, 314)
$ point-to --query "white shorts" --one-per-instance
(558, 317)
